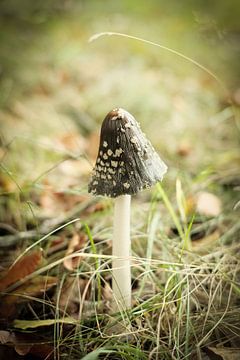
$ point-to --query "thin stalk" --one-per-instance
(97, 261)
(121, 272)
(171, 212)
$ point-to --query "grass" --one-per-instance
(182, 306)
(185, 264)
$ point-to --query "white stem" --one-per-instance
(121, 273)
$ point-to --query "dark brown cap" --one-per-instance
(126, 162)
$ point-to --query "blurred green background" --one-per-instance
(54, 33)
(56, 88)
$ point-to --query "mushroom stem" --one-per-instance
(121, 272)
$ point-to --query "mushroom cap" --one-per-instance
(126, 162)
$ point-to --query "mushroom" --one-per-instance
(126, 164)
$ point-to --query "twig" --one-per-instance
(46, 227)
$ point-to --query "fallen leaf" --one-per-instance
(22, 349)
(9, 338)
(33, 288)
(26, 343)
(19, 270)
(208, 204)
(6, 337)
(73, 291)
(57, 244)
(8, 309)
(100, 206)
(75, 244)
(227, 353)
(52, 201)
(184, 149)
(107, 292)
(72, 141)
(206, 241)
(42, 351)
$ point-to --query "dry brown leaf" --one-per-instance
(184, 149)
(206, 241)
(6, 337)
(72, 293)
(35, 287)
(75, 244)
(42, 351)
(32, 288)
(208, 204)
(100, 206)
(25, 266)
(25, 343)
(9, 338)
(72, 141)
(107, 292)
(8, 310)
(57, 244)
(22, 349)
(52, 201)
(227, 353)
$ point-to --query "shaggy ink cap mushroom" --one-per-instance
(126, 161)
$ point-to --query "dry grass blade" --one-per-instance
(177, 53)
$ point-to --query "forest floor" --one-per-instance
(56, 276)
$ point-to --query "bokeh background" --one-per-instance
(56, 88)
